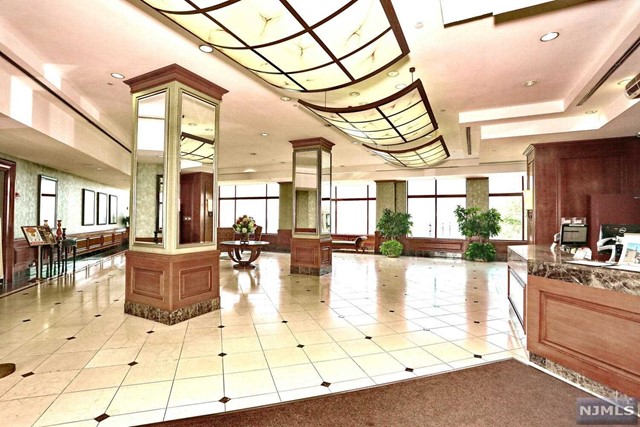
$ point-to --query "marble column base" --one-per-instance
(171, 317)
(311, 271)
(576, 378)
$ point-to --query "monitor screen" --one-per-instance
(573, 235)
(614, 230)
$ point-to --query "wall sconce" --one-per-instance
(210, 207)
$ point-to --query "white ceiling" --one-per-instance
(473, 73)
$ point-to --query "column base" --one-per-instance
(311, 271)
(171, 317)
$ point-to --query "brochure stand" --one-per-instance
(39, 236)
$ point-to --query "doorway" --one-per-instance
(7, 198)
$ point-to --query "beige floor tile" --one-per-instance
(429, 322)
(134, 419)
(199, 367)
(78, 406)
(393, 342)
(154, 352)
(44, 384)
(252, 383)
(376, 330)
(465, 363)
(414, 358)
(140, 397)
(346, 333)
(351, 385)
(447, 352)
(147, 371)
(238, 331)
(392, 377)
(191, 391)
(112, 357)
(340, 370)
(504, 341)
(272, 329)
(298, 376)
(421, 338)
(478, 346)
(285, 357)
(320, 352)
(303, 326)
(312, 337)
(378, 364)
(66, 361)
(272, 342)
(197, 410)
(24, 412)
(451, 333)
(303, 393)
(95, 378)
(360, 347)
(252, 401)
(433, 370)
(201, 348)
(241, 362)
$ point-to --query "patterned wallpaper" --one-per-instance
(146, 198)
(69, 197)
(478, 193)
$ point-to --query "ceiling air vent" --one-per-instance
(632, 89)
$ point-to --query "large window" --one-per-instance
(505, 195)
(261, 201)
(354, 208)
(431, 204)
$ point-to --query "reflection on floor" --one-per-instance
(277, 337)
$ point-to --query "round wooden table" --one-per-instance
(235, 249)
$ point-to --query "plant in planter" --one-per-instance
(478, 226)
(392, 225)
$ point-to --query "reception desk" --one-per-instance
(582, 322)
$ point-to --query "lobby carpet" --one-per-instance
(506, 393)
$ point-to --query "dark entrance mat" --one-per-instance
(497, 394)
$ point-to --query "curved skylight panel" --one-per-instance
(301, 45)
(196, 148)
(403, 117)
(420, 155)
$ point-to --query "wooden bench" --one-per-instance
(357, 244)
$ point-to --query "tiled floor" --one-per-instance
(81, 361)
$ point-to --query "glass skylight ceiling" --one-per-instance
(414, 154)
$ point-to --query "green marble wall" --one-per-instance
(285, 221)
(146, 198)
(478, 193)
(69, 197)
(390, 195)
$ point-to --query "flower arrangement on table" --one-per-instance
(245, 225)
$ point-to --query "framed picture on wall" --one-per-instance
(113, 209)
(88, 207)
(103, 208)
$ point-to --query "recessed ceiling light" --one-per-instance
(117, 76)
(419, 25)
(285, 98)
(529, 83)
(264, 134)
(591, 112)
(401, 86)
(205, 48)
(248, 170)
(393, 73)
(549, 36)
(98, 169)
(354, 93)
(193, 124)
(624, 82)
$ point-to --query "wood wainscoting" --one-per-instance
(594, 332)
(172, 288)
(311, 256)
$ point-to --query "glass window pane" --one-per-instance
(421, 187)
(505, 183)
(352, 217)
(251, 190)
(423, 215)
(255, 208)
(273, 216)
(273, 189)
(227, 215)
(452, 186)
(227, 191)
(372, 217)
(351, 191)
(510, 208)
(447, 225)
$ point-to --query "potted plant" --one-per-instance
(478, 226)
(392, 225)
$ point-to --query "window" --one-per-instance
(431, 204)
(354, 208)
(47, 203)
(505, 195)
(261, 201)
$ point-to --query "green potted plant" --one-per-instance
(478, 226)
(392, 225)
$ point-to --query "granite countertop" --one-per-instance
(541, 261)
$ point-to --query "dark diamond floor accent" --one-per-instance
(224, 400)
(322, 302)
(367, 337)
(477, 356)
(476, 322)
(285, 321)
(222, 354)
(132, 363)
(149, 332)
(300, 345)
(408, 369)
(28, 374)
(325, 384)
(101, 418)
(58, 303)
(221, 326)
(71, 338)
(98, 315)
(392, 311)
(27, 320)
(476, 302)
